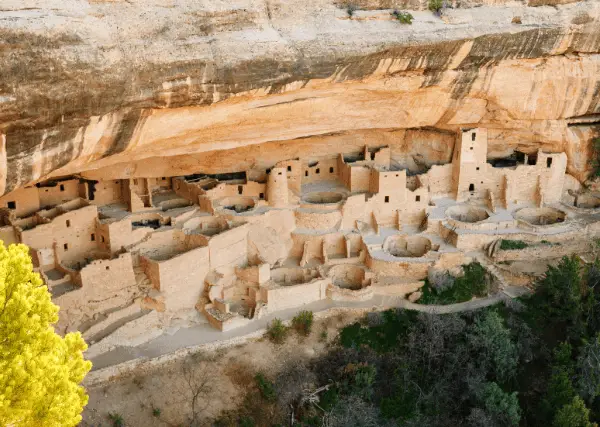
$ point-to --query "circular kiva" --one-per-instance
(407, 246)
(540, 216)
(464, 213)
(323, 197)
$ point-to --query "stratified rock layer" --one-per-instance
(160, 88)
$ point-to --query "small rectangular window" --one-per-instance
(102, 238)
(418, 198)
(68, 223)
(261, 196)
(305, 173)
(164, 179)
(330, 170)
(66, 247)
(477, 168)
(93, 237)
(473, 136)
(387, 199)
(240, 189)
(471, 187)
(549, 162)
(11, 205)
(289, 168)
(62, 187)
(318, 170)
(279, 173)
(471, 148)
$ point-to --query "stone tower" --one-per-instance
(277, 188)
(470, 164)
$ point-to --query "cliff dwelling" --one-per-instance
(228, 249)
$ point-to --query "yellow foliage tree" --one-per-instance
(40, 372)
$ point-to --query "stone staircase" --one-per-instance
(113, 321)
(493, 270)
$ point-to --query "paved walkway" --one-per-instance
(204, 333)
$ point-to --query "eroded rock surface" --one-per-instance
(149, 88)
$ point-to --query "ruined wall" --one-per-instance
(106, 275)
(283, 297)
(229, 249)
(72, 233)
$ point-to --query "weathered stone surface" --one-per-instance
(154, 88)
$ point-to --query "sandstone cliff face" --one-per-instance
(165, 87)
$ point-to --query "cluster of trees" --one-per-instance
(40, 371)
(533, 362)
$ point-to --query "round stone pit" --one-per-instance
(541, 216)
(469, 214)
(407, 246)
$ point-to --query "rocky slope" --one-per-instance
(164, 87)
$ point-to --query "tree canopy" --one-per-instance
(40, 371)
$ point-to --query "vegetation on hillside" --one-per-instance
(512, 244)
(40, 371)
(473, 283)
(534, 362)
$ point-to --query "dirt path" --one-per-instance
(203, 334)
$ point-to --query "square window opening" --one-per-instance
(107, 267)
(471, 187)
(318, 170)
(549, 162)
(11, 205)
(477, 168)
(387, 199)
(261, 196)
(289, 168)
(68, 223)
(418, 198)
(330, 170)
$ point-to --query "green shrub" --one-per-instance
(156, 411)
(303, 322)
(266, 387)
(323, 335)
(116, 419)
(512, 244)
(403, 17)
(277, 331)
(473, 283)
(246, 422)
(350, 9)
(435, 5)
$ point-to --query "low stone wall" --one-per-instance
(542, 251)
(416, 270)
(317, 220)
(284, 297)
(340, 294)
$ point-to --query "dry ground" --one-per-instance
(221, 378)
